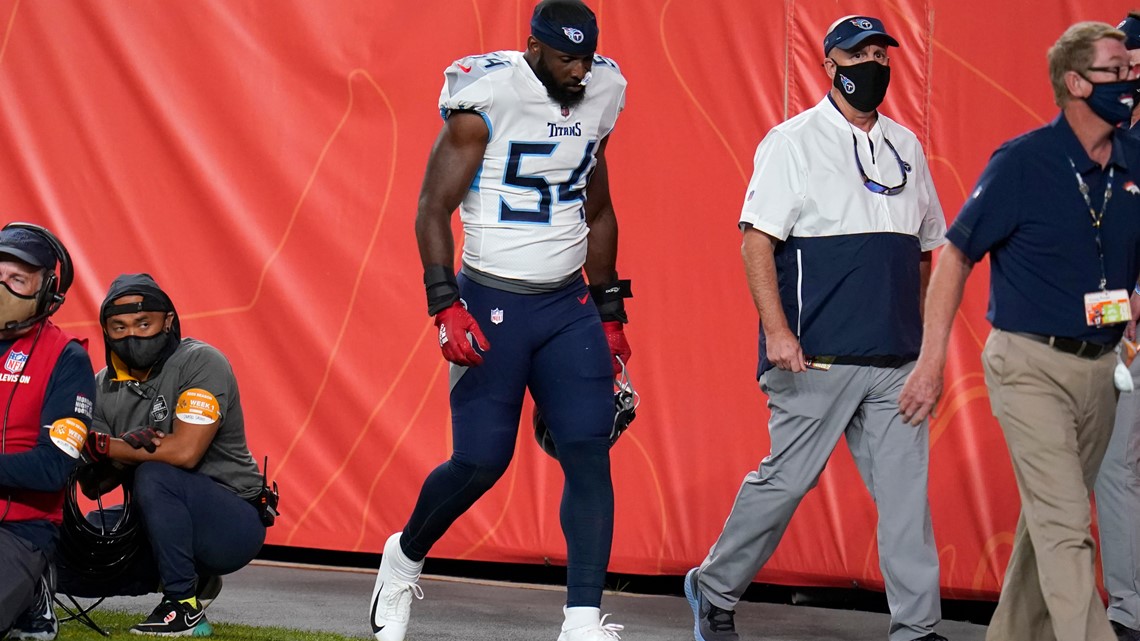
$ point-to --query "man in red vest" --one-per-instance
(47, 389)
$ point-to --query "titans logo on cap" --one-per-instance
(849, 32)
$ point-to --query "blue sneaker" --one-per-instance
(710, 623)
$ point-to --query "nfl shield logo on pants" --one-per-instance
(496, 316)
(16, 361)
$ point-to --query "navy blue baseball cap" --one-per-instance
(1131, 28)
(848, 32)
(27, 246)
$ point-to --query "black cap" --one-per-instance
(27, 246)
(848, 32)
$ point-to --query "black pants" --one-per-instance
(194, 527)
(21, 565)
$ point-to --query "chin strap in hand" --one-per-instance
(143, 438)
(454, 324)
(97, 446)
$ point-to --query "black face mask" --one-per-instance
(1113, 101)
(863, 85)
(139, 352)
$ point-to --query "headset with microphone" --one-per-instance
(53, 289)
(52, 292)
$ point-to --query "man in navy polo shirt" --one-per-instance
(1118, 483)
(1058, 211)
(838, 223)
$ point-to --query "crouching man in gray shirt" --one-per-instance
(168, 421)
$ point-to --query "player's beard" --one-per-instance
(558, 93)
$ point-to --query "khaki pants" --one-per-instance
(1056, 411)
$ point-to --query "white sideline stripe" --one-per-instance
(432, 577)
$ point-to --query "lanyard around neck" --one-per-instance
(1097, 218)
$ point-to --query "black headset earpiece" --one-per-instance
(56, 282)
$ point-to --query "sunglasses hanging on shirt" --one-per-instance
(877, 187)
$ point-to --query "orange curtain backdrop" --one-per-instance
(262, 160)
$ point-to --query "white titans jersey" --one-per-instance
(524, 214)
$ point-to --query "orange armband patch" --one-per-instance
(197, 406)
(68, 434)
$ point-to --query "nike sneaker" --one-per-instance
(38, 622)
(392, 597)
(175, 619)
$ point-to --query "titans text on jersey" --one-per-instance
(524, 214)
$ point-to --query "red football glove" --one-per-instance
(96, 446)
(454, 324)
(619, 347)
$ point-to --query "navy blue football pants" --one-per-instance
(552, 344)
(194, 527)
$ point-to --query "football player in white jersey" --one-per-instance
(522, 154)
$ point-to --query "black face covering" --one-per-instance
(138, 352)
(863, 85)
(1113, 102)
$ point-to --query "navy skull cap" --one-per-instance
(568, 26)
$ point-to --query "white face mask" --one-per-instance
(15, 308)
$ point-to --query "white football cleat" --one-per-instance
(392, 597)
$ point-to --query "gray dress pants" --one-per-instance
(810, 411)
(1118, 510)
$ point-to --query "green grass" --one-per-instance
(118, 624)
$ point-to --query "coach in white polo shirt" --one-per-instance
(839, 221)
